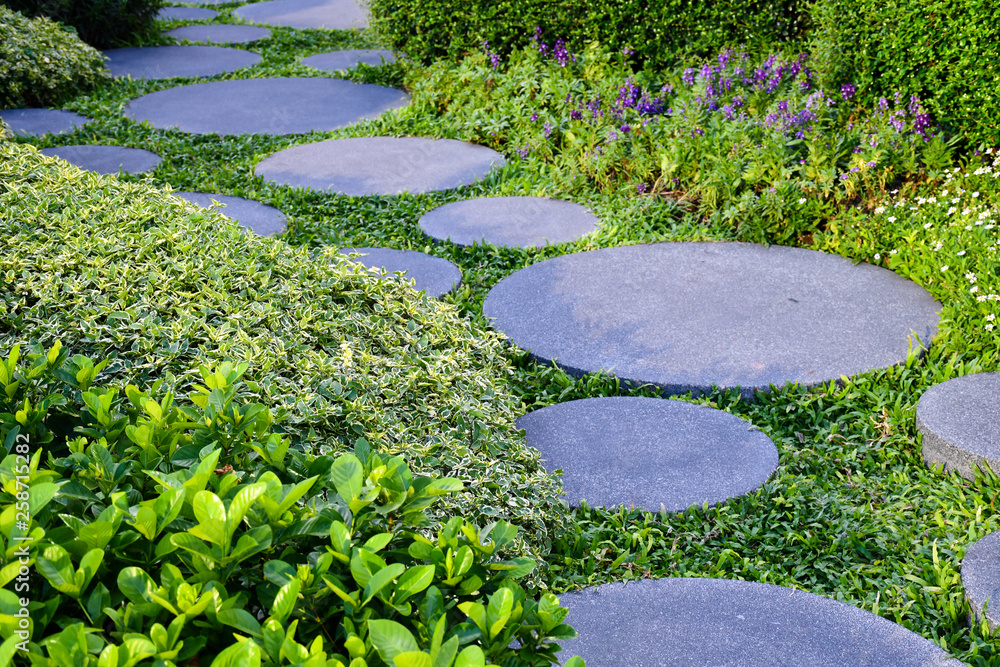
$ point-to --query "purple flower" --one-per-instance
(524, 151)
(871, 165)
(844, 177)
(548, 129)
(560, 53)
(575, 114)
(641, 188)
(625, 128)
(534, 117)
(847, 91)
(854, 170)
(688, 77)
(627, 51)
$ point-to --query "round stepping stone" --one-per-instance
(106, 159)
(379, 165)
(960, 423)
(326, 14)
(981, 578)
(219, 33)
(38, 122)
(175, 62)
(434, 275)
(509, 222)
(338, 61)
(264, 106)
(649, 453)
(204, 2)
(689, 316)
(694, 622)
(259, 218)
(185, 14)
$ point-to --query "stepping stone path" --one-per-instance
(339, 61)
(38, 122)
(220, 33)
(259, 218)
(175, 62)
(207, 2)
(960, 423)
(379, 165)
(509, 222)
(650, 453)
(326, 14)
(185, 14)
(981, 578)
(434, 275)
(695, 622)
(264, 106)
(106, 159)
(687, 316)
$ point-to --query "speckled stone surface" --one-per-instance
(106, 159)
(510, 222)
(960, 423)
(379, 165)
(175, 62)
(720, 623)
(981, 578)
(326, 14)
(220, 33)
(38, 122)
(434, 275)
(253, 215)
(650, 453)
(338, 61)
(185, 14)
(687, 316)
(264, 106)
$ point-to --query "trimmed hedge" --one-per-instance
(122, 270)
(100, 23)
(41, 62)
(944, 51)
(658, 31)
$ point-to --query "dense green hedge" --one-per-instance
(656, 30)
(41, 62)
(100, 23)
(121, 270)
(945, 51)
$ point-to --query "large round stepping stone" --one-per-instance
(650, 453)
(510, 222)
(695, 622)
(259, 218)
(981, 578)
(264, 106)
(338, 61)
(106, 159)
(379, 165)
(204, 2)
(326, 14)
(434, 275)
(960, 423)
(220, 33)
(38, 122)
(185, 14)
(174, 62)
(690, 316)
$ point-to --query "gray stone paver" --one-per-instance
(220, 33)
(434, 275)
(981, 578)
(960, 423)
(106, 159)
(304, 14)
(185, 14)
(39, 122)
(257, 217)
(176, 62)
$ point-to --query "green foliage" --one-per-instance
(657, 31)
(42, 63)
(162, 534)
(158, 286)
(100, 23)
(944, 51)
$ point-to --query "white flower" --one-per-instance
(944, 268)
(952, 210)
(975, 288)
(966, 211)
(990, 317)
(893, 251)
(879, 210)
(961, 253)
(989, 327)
(802, 201)
(928, 226)
(971, 277)
(892, 219)
(877, 257)
(955, 200)
(989, 151)
(944, 193)
(975, 194)
(980, 298)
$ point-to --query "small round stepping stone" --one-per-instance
(204, 2)
(185, 14)
(981, 578)
(434, 275)
(264, 106)
(219, 33)
(257, 217)
(106, 159)
(960, 423)
(175, 62)
(338, 61)
(690, 316)
(325, 14)
(38, 122)
(649, 453)
(379, 165)
(694, 622)
(509, 222)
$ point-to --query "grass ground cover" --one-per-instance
(852, 512)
